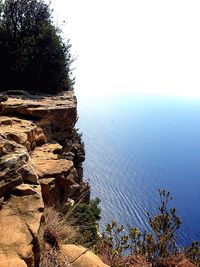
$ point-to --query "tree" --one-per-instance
(33, 55)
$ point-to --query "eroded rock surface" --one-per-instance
(15, 166)
(22, 132)
(20, 219)
(56, 114)
(34, 169)
(79, 256)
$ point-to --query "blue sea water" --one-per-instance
(136, 145)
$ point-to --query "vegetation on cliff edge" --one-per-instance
(118, 247)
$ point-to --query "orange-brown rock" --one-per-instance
(52, 168)
(21, 131)
(15, 166)
(56, 114)
(58, 177)
(79, 256)
(47, 151)
(20, 220)
(35, 168)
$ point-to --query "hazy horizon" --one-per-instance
(140, 47)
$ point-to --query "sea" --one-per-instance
(136, 145)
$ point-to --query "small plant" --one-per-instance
(113, 244)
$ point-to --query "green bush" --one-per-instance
(33, 56)
(86, 216)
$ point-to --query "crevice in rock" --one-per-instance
(84, 252)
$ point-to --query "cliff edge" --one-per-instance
(41, 159)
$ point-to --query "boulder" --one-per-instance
(79, 256)
(20, 220)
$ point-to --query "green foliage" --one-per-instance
(158, 244)
(114, 243)
(86, 216)
(164, 226)
(33, 56)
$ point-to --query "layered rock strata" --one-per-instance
(40, 163)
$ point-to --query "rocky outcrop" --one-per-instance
(40, 163)
(79, 256)
(20, 219)
(56, 114)
(58, 177)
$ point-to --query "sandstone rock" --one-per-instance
(59, 112)
(20, 220)
(49, 191)
(14, 156)
(47, 163)
(11, 260)
(52, 168)
(47, 151)
(79, 256)
(33, 170)
(25, 190)
(28, 173)
(15, 166)
(21, 131)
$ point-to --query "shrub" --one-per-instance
(33, 56)
(118, 247)
(86, 216)
(164, 226)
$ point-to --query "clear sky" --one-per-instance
(134, 46)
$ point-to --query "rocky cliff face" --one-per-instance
(40, 164)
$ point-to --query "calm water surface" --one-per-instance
(135, 145)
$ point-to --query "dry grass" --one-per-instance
(50, 258)
(134, 261)
(116, 260)
(58, 230)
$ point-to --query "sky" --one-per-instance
(133, 46)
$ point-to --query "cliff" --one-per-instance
(41, 159)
